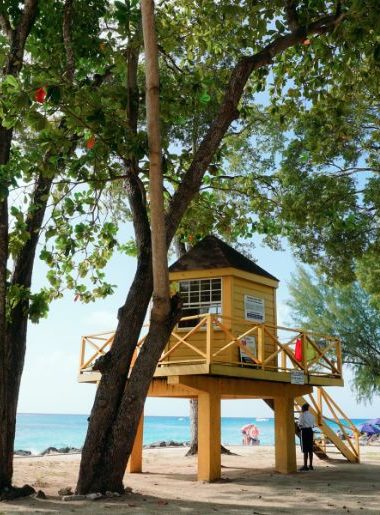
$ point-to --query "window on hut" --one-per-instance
(200, 296)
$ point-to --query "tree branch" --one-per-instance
(6, 26)
(66, 28)
(20, 34)
(291, 15)
(228, 112)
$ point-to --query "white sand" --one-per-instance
(248, 485)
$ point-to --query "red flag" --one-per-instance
(298, 350)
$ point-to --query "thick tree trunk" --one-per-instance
(115, 369)
(120, 440)
(113, 424)
(115, 366)
(13, 351)
(6, 442)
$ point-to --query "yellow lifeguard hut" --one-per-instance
(228, 345)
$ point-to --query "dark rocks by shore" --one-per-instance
(49, 450)
(169, 443)
(62, 450)
(75, 450)
(21, 452)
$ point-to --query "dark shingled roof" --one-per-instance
(211, 252)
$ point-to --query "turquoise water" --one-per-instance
(36, 432)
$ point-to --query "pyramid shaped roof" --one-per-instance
(211, 252)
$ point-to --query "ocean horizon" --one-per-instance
(35, 432)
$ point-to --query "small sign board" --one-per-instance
(297, 377)
(254, 309)
(250, 343)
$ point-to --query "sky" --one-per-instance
(49, 383)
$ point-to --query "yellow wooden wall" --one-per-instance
(242, 287)
(233, 290)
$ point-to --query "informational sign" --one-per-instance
(254, 309)
(297, 377)
(250, 343)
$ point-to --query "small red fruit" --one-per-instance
(90, 143)
(306, 42)
(40, 95)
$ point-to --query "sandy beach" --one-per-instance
(248, 485)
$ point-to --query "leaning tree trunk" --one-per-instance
(106, 453)
(119, 443)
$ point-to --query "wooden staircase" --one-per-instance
(330, 443)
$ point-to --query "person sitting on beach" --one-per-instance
(306, 422)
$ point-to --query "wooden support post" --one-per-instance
(285, 447)
(135, 460)
(209, 462)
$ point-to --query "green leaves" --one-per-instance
(319, 305)
(35, 305)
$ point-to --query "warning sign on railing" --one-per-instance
(297, 377)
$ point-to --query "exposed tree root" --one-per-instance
(14, 492)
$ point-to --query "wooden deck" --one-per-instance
(320, 364)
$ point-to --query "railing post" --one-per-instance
(209, 338)
(82, 354)
(338, 349)
(283, 360)
(260, 344)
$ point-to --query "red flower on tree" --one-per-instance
(40, 95)
(90, 143)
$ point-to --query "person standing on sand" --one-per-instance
(306, 422)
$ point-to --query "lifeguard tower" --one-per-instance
(228, 345)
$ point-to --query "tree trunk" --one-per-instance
(115, 369)
(12, 344)
(16, 330)
(120, 439)
(161, 295)
(6, 441)
(119, 400)
(193, 428)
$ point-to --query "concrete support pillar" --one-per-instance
(209, 463)
(135, 459)
(285, 448)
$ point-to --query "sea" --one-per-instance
(37, 432)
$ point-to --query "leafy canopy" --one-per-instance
(346, 311)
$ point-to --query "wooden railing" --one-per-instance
(321, 354)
